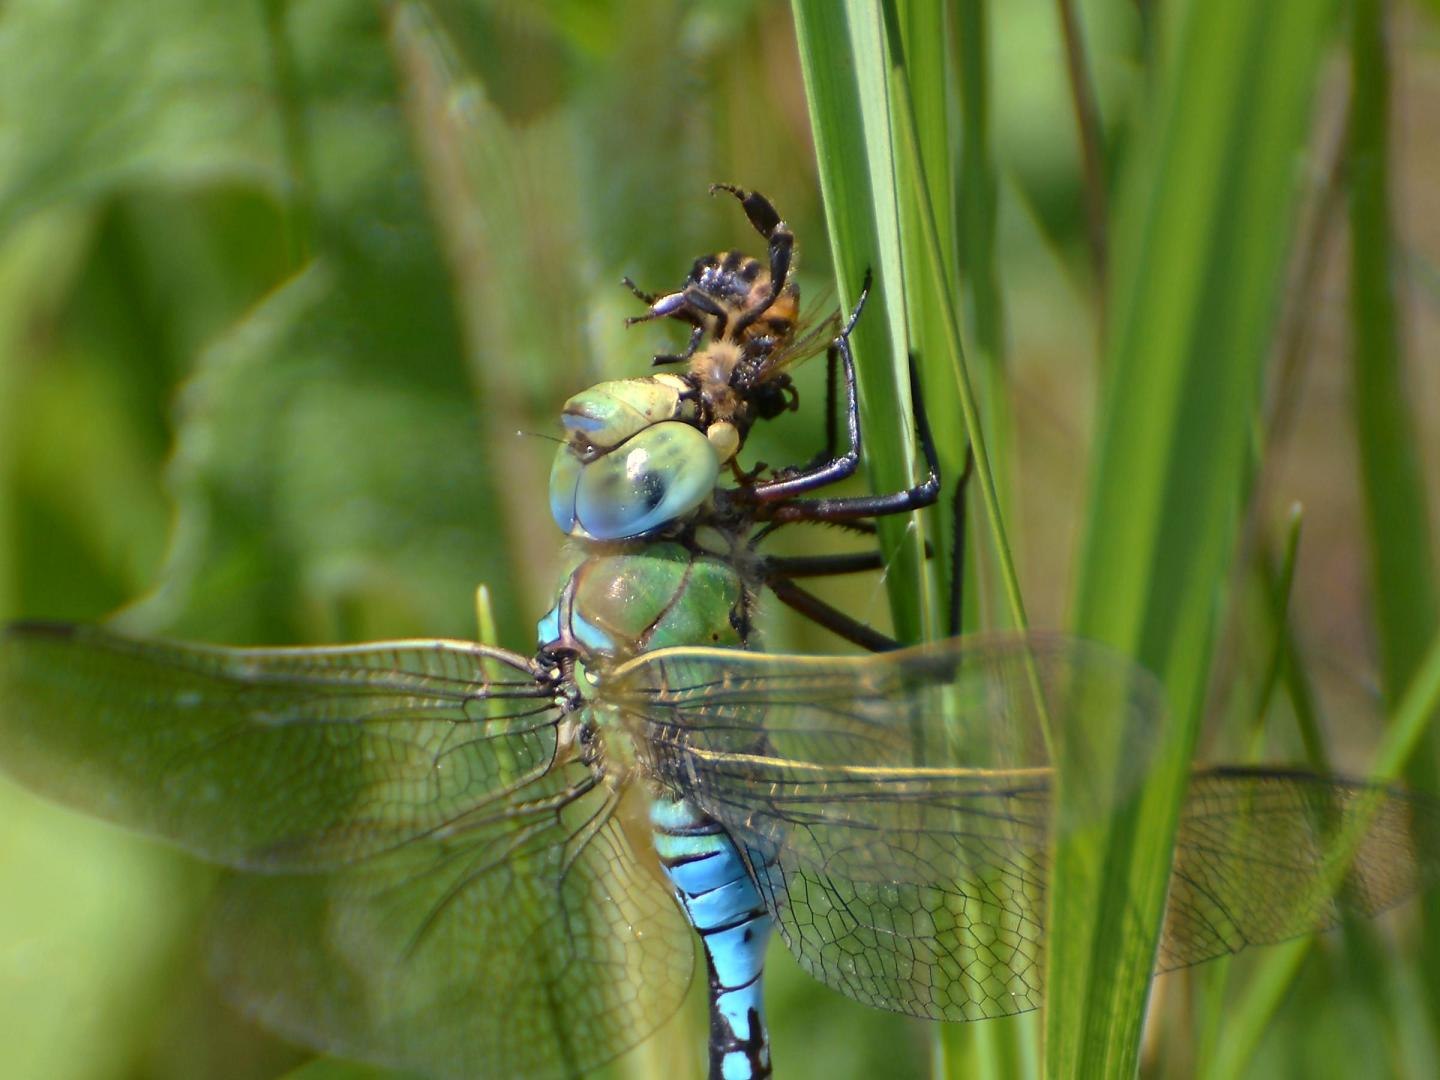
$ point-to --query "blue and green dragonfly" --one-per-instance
(472, 862)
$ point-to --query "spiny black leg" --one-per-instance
(833, 619)
(799, 566)
(830, 469)
(867, 506)
(852, 562)
(865, 528)
(768, 223)
(836, 468)
(957, 563)
(832, 385)
(859, 525)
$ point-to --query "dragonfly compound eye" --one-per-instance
(609, 413)
(658, 476)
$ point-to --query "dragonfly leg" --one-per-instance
(869, 506)
(957, 558)
(779, 570)
(857, 562)
(832, 394)
(826, 565)
(832, 427)
(832, 467)
(831, 618)
(860, 526)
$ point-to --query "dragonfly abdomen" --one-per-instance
(715, 888)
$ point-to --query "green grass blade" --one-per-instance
(860, 155)
(1202, 232)
(1396, 510)
(1411, 723)
(1090, 133)
(842, 60)
(1406, 606)
(937, 285)
(1414, 716)
(979, 210)
(925, 76)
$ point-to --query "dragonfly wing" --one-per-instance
(1254, 853)
(895, 809)
(435, 889)
(533, 946)
(925, 898)
(982, 702)
(908, 869)
(270, 759)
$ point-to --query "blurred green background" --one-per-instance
(291, 293)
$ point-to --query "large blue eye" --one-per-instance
(564, 479)
(658, 476)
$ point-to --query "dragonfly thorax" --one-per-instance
(621, 601)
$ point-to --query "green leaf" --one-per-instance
(1202, 231)
(842, 55)
(1402, 551)
(103, 95)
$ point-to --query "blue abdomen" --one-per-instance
(715, 888)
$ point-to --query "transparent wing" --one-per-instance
(536, 947)
(271, 759)
(437, 889)
(895, 808)
(1253, 853)
(896, 811)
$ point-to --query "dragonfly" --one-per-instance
(466, 861)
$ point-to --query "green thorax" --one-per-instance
(620, 600)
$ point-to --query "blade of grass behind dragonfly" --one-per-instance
(480, 170)
(934, 285)
(843, 64)
(929, 66)
(1404, 583)
(859, 178)
(1406, 609)
(1212, 985)
(1410, 724)
(1203, 227)
(858, 149)
(926, 75)
(976, 222)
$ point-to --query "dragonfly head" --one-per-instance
(635, 458)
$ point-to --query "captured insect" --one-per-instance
(472, 862)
